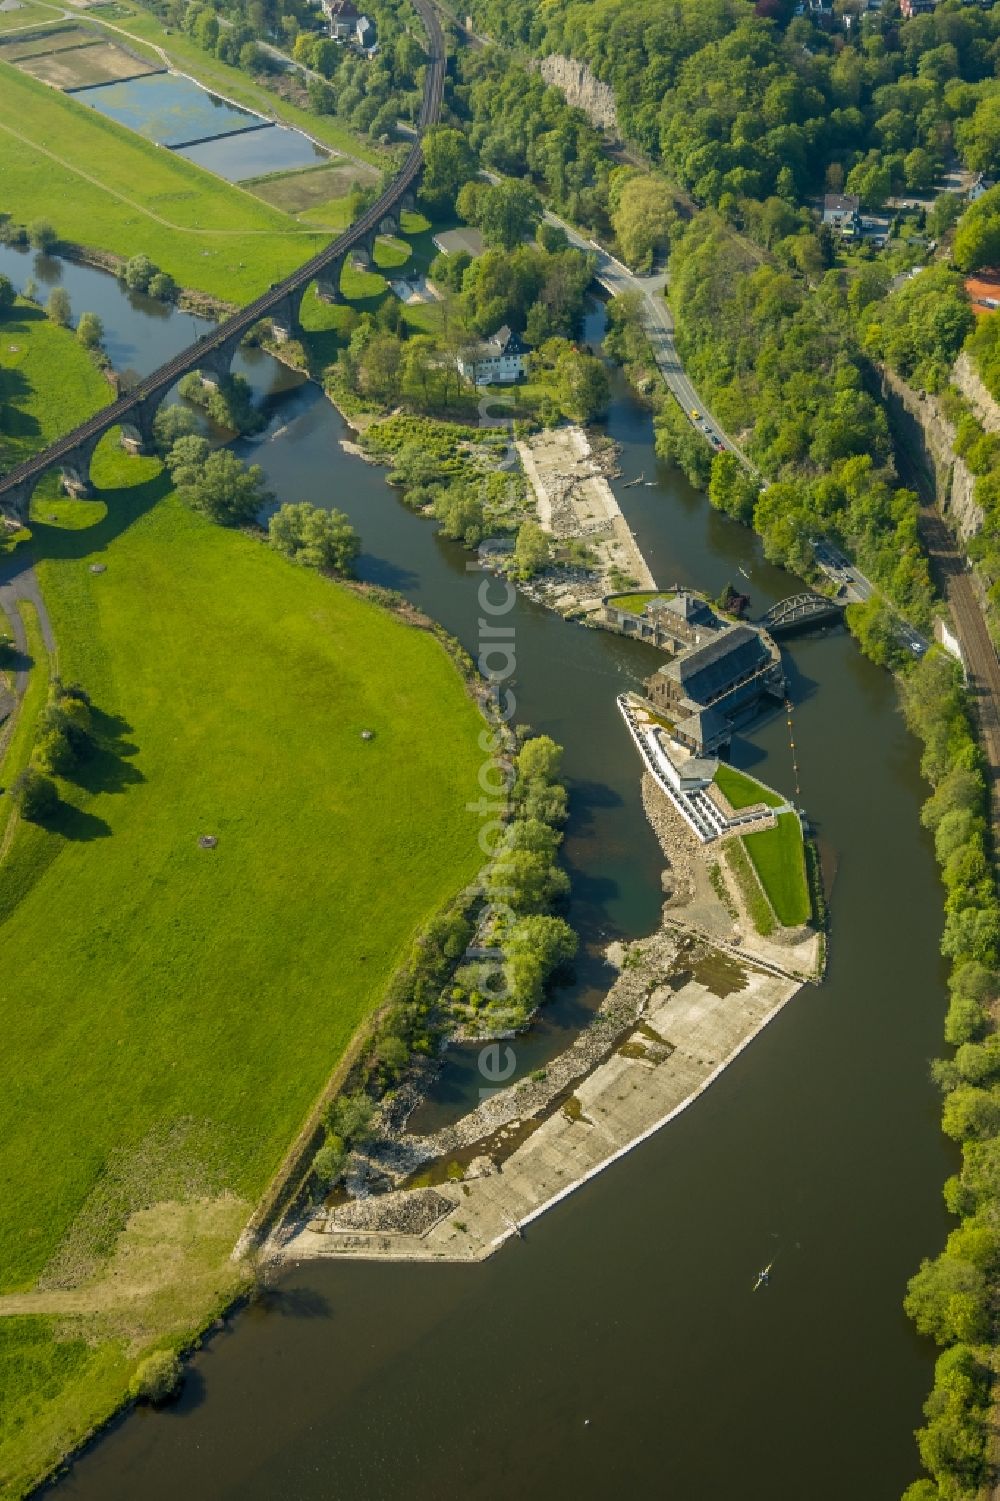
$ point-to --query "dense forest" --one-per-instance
(751, 100)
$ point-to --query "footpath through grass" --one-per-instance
(778, 857)
(105, 187)
(155, 990)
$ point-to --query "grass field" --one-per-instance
(106, 187)
(165, 992)
(317, 194)
(43, 390)
(778, 857)
(79, 67)
(742, 791)
(22, 733)
(30, 14)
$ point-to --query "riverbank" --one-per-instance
(685, 1003)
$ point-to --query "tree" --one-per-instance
(507, 212)
(42, 235)
(948, 1299)
(220, 487)
(529, 883)
(8, 296)
(532, 550)
(539, 760)
(157, 1377)
(57, 309)
(162, 287)
(380, 367)
(90, 330)
(171, 423)
(35, 796)
(449, 163)
(582, 388)
(977, 238)
(316, 538)
(732, 489)
(138, 273)
(643, 219)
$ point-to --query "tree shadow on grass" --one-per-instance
(125, 505)
(75, 824)
(108, 768)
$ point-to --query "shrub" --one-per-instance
(317, 538)
(90, 330)
(57, 309)
(42, 235)
(35, 796)
(157, 1377)
(328, 1164)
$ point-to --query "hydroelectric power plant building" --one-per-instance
(720, 671)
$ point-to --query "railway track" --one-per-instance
(982, 666)
(160, 381)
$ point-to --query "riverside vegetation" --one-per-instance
(145, 1105)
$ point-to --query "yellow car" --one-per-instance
(695, 413)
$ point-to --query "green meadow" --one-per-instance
(155, 991)
(778, 857)
(107, 188)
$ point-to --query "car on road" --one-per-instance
(695, 413)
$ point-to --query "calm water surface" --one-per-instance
(173, 110)
(630, 1305)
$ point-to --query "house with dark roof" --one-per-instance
(672, 621)
(347, 24)
(499, 360)
(842, 211)
(711, 686)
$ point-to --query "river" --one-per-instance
(619, 1344)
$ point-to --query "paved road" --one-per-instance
(848, 576)
(659, 326)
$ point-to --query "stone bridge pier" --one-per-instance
(137, 427)
(285, 321)
(75, 467)
(214, 364)
(328, 282)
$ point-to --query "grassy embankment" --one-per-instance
(177, 1009)
(106, 188)
(769, 869)
(778, 858)
(31, 14)
(742, 791)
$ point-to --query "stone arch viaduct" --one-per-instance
(212, 354)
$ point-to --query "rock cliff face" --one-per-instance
(966, 377)
(929, 434)
(581, 89)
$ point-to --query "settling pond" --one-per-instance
(630, 1305)
(176, 112)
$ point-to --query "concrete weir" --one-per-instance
(685, 1032)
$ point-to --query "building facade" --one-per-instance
(720, 670)
(499, 360)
